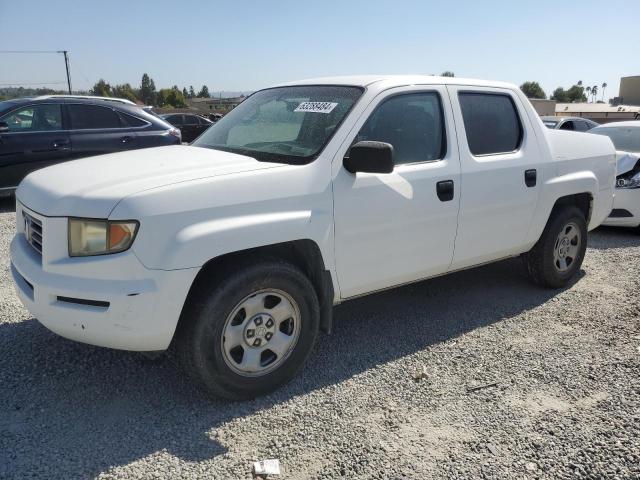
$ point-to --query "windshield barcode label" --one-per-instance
(316, 107)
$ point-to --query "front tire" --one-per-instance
(557, 256)
(250, 333)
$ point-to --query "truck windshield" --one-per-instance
(284, 125)
(623, 138)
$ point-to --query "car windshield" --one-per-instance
(623, 138)
(285, 124)
(550, 124)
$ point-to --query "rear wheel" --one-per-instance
(558, 254)
(250, 333)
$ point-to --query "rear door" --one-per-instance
(36, 139)
(500, 158)
(98, 129)
(191, 128)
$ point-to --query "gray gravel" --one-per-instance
(560, 371)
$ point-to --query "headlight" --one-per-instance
(100, 237)
(626, 182)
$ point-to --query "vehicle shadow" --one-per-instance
(605, 238)
(7, 203)
(72, 410)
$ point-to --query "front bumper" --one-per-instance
(627, 199)
(110, 301)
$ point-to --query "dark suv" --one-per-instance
(37, 132)
(190, 125)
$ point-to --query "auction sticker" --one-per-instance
(316, 107)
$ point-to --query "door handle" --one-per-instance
(126, 139)
(530, 177)
(60, 144)
(444, 189)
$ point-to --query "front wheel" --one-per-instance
(251, 332)
(558, 254)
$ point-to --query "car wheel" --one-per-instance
(558, 254)
(250, 333)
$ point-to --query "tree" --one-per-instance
(447, 74)
(594, 93)
(576, 94)
(101, 89)
(604, 86)
(147, 90)
(192, 92)
(560, 95)
(533, 90)
(125, 91)
(171, 97)
(185, 94)
(204, 92)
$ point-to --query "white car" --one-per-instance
(306, 195)
(626, 206)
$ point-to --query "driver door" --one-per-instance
(396, 228)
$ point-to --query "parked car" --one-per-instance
(304, 196)
(626, 206)
(190, 125)
(577, 124)
(42, 131)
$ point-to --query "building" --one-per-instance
(630, 90)
(544, 107)
(598, 112)
(214, 105)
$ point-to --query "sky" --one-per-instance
(245, 45)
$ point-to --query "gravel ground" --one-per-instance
(560, 371)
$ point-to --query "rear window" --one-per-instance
(85, 117)
(491, 122)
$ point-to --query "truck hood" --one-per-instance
(627, 161)
(91, 187)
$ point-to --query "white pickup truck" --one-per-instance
(236, 247)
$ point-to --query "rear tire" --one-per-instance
(557, 256)
(250, 333)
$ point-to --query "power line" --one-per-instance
(19, 84)
(64, 52)
(30, 51)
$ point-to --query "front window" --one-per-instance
(624, 138)
(285, 125)
(35, 118)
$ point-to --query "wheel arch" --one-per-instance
(583, 201)
(304, 254)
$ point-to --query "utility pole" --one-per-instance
(66, 63)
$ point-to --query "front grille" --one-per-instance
(33, 231)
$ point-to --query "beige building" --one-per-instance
(214, 105)
(598, 112)
(544, 107)
(630, 90)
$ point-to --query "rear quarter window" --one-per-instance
(84, 117)
(491, 122)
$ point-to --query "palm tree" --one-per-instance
(579, 83)
(588, 90)
(594, 92)
(604, 86)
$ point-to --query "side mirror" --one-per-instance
(370, 157)
(4, 127)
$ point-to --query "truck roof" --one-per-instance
(396, 81)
